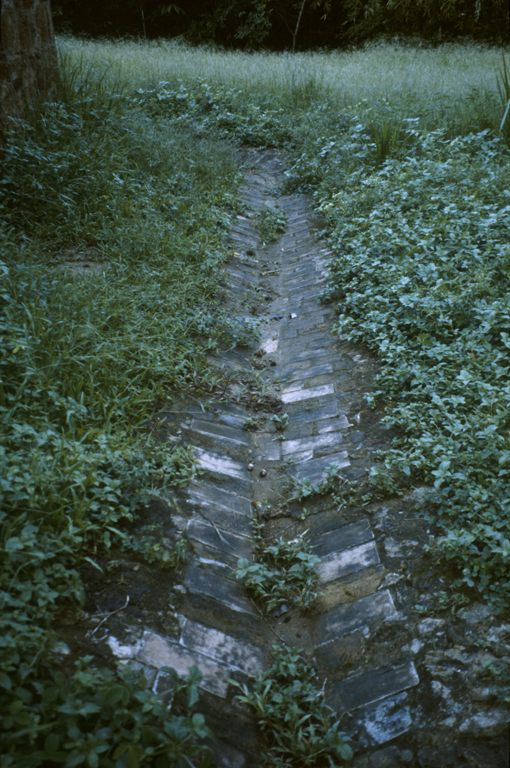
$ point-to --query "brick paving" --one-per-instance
(301, 370)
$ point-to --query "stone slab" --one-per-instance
(229, 651)
(268, 447)
(310, 341)
(387, 720)
(224, 432)
(317, 469)
(294, 374)
(352, 587)
(226, 543)
(298, 395)
(342, 538)
(309, 316)
(299, 429)
(210, 586)
(216, 444)
(344, 619)
(298, 445)
(228, 521)
(347, 650)
(159, 652)
(315, 357)
(338, 565)
(287, 331)
(316, 413)
(269, 346)
(233, 419)
(333, 425)
(214, 495)
(372, 686)
(219, 464)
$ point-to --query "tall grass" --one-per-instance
(453, 85)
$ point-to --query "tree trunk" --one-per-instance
(28, 56)
(298, 24)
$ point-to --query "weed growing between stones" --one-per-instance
(271, 223)
(253, 423)
(296, 724)
(283, 574)
(332, 483)
(280, 422)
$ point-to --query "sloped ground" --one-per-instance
(409, 687)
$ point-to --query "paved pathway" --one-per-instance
(295, 367)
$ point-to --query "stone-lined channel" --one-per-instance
(293, 365)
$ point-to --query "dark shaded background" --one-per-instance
(269, 24)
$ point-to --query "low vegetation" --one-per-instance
(115, 207)
(421, 277)
(282, 575)
(112, 234)
(298, 727)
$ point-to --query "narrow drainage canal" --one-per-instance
(293, 412)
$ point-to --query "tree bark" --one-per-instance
(298, 24)
(28, 56)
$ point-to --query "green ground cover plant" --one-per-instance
(282, 574)
(299, 729)
(136, 178)
(89, 355)
(97, 717)
(420, 275)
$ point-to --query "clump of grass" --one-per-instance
(386, 136)
(271, 223)
(283, 573)
(306, 84)
(297, 726)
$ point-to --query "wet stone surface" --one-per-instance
(410, 686)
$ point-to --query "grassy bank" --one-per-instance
(113, 234)
(420, 275)
(115, 205)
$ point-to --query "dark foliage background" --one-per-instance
(272, 23)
